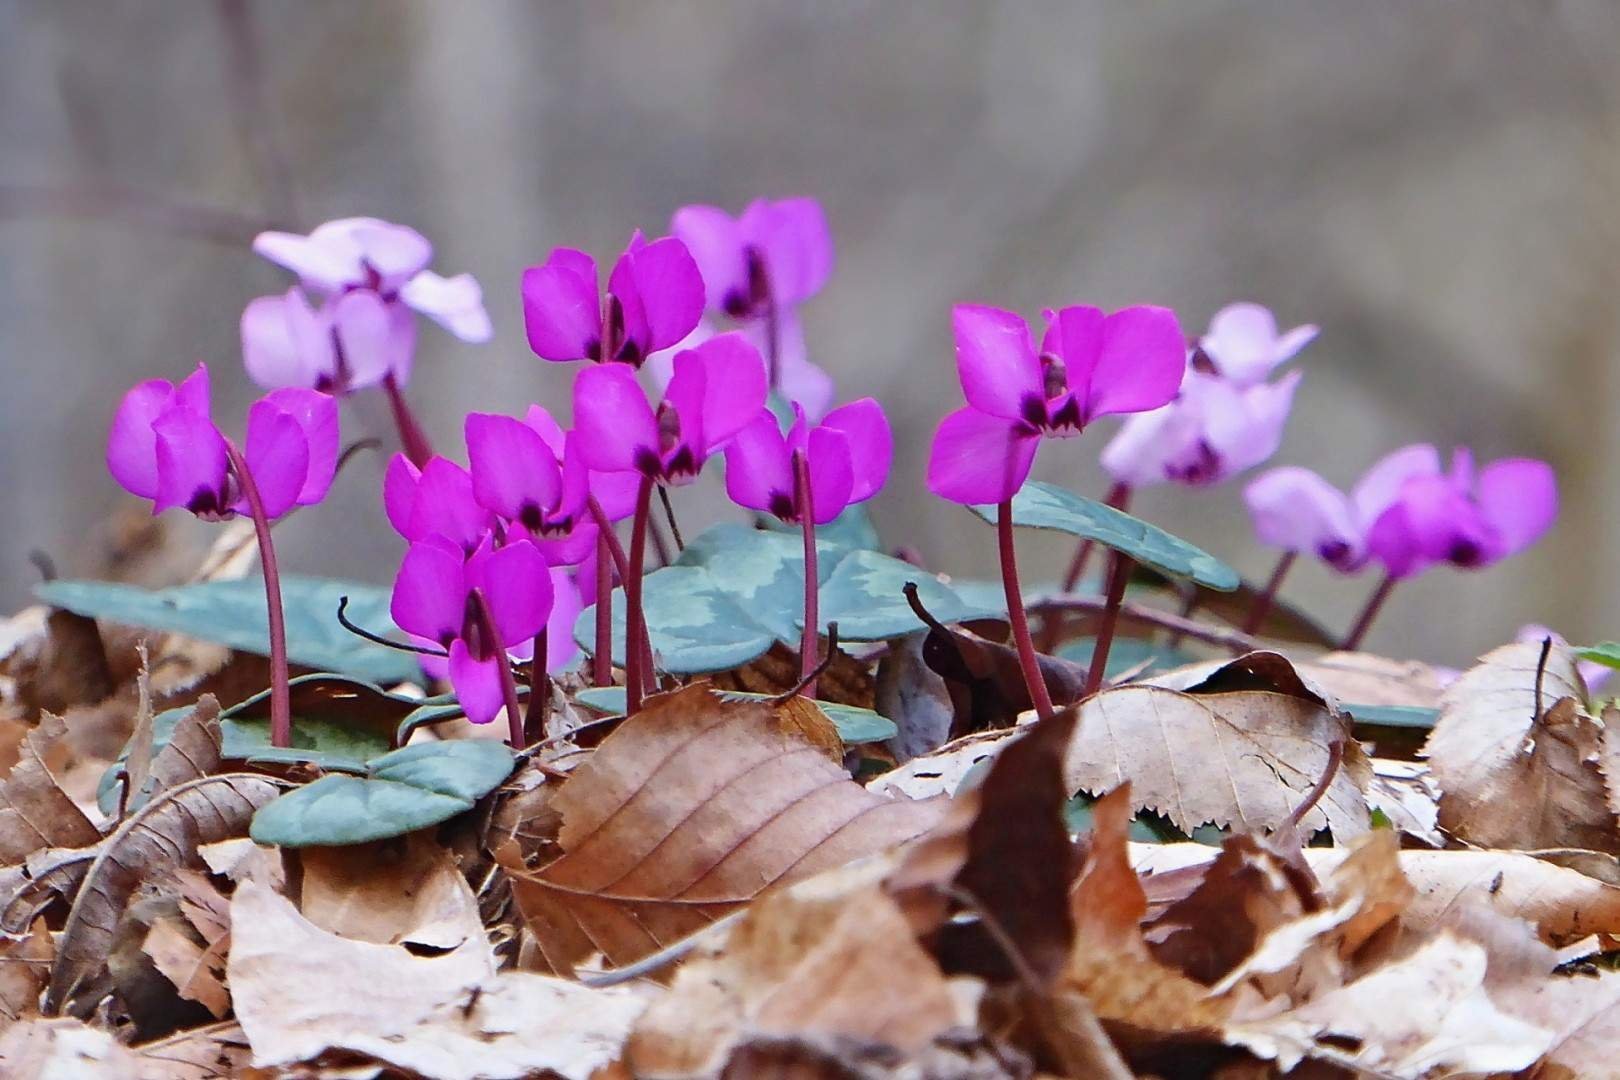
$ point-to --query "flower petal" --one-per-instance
(131, 442)
(995, 360)
(430, 592)
(393, 252)
(375, 338)
(477, 683)
(516, 583)
(317, 414)
(797, 246)
(1296, 510)
(446, 506)
(277, 454)
(192, 464)
(455, 303)
(734, 387)
(284, 342)
(1381, 485)
(832, 475)
(978, 458)
(399, 494)
(616, 492)
(1519, 497)
(1141, 358)
(871, 444)
(1145, 446)
(661, 290)
(715, 242)
(1242, 342)
(566, 604)
(612, 420)
(326, 259)
(759, 471)
(514, 472)
(562, 312)
(1245, 425)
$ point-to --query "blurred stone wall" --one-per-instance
(1433, 183)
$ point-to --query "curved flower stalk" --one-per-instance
(757, 268)
(1090, 364)
(370, 276)
(1409, 514)
(808, 476)
(477, 609)
(164, 446)
(717, 389)
(654, 298)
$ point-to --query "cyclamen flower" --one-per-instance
(433, 599)
(436, 500)
(1467, 518)
(532, 474)
(1244, 347)
(1593, 674)
(800, 381)
(778, 253)
(717, 389)
(1090, 364)
(847, 457)
(561, 649)
(164, 446)
(353, 343)
(654, 298)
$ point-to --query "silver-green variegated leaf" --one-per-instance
(696, 628)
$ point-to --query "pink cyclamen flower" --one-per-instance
(1214, 430)
(164, 446)
(654, 298)
(776, 253)
(561, 649)
(717, 389)
(847, 456)
(1090, 364)
(1468, 518)
(799, 380)
(1244, 346)
(436, 500)
(433, 600)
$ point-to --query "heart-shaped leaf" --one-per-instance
(402, 791)
(761, 571)
(1144, 658)
(695, 627)
(854, 724)
(866, 597)
(1047, 506)
(233, 613)
(851, 530)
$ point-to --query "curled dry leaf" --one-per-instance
(915, 697)
(1405, 793)
(163, 834)
(300, 992)
(34, 811)
(1518, 771)
(692, 806)
(196, 968)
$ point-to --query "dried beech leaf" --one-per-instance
(197, 970)
(1243, 758)
(300, 991)
(163, 834)
(25, 964)
(34, 811)
(693, 806)
(64, 1048)
(941, 771)
(1366, 679)
(388, 892)
(1515, 772)
(215, 1052)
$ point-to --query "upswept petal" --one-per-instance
(1380, 486)
(477, 683)
(871, 445)
(715, 242)
(793, 237)
(1245, 425)
(192, 465)
(561, 650)
(455, 303)
(613, 423)
(995, 360)
(285, 342)
(430, 592)
(758, 466)
(1141, 358)
(131, 442)
(277, 454)
(395, 253)
(374, 338)
(978, 458)
(562, 312)
(1296, 510)
(445, 506)
(400, 481)
(1519, 498)
(513, 470)
(662, 291)
(832, 474)
(735, 387)
(326, 260)
(1145, 446)
(516, 583)
(317, 415)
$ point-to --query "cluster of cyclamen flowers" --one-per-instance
(504, 551)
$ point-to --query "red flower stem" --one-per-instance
(1016, 615)
(538, 713)
(810, 642)
(1119, 574)
(635, 627)
(411, 436)
(659, 544)
(1190, 600)
(280, 695)
(1268, 595)
(602, 654)
(621, 564)
(492, 639)
(1365, 620)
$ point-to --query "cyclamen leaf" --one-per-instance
(233, 613)
(1047, 506)
(695, 626)
(866, 597)
(1607, 653)
(761, 571)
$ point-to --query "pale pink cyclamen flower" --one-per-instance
(370, 276)
(654, 298)
(433, 600)
(847, 457)
(1227, 418)
(776, 253)
(1090, 364)
(164, 446)
(1593, 674)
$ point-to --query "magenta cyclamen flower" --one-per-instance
(436, 500)
(1468, 518)
(1090, 364)
(654, 298)
(372, 274)
(777, 253)
(847, 457)
(1244, 346)
(164, 446)
(717, 389)
(434, 599)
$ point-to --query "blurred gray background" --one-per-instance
(1434, 183)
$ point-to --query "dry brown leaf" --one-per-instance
(1515, 771)
(197, 970)
(1425, 1014)
(1405, 793)
(215, 1052)
(391, 892)
(915, 697)
(1563, 904)
(941, 772)
(1365, 679)
(163, 835)
(64, 1049)
(300, 991)
(34, 811)
(693, 806)
(810, 961)
(1242, 758)
(25, 964)
(193, 751)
